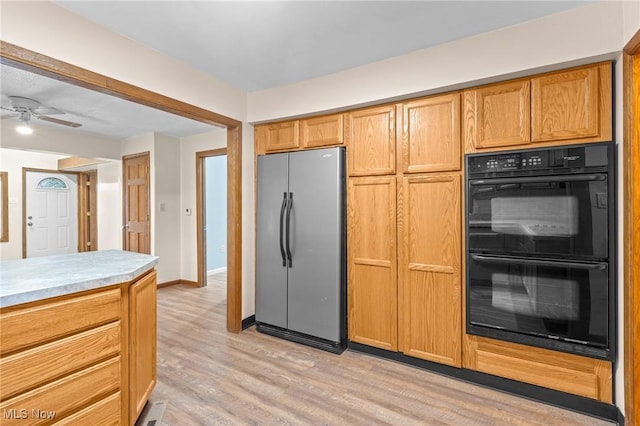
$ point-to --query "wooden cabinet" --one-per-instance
(498, 115)
(142, 343)
(281, 136)
(570, 106)
(431, 134)
(429, 265)
(372, 299)
(326, 130)
(83, 356)
(371, 141)
(60, 356)
(588, 377)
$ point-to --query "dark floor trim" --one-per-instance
(564, 400)
(248, 322)
(176, 282)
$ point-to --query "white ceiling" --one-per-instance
(255, 45)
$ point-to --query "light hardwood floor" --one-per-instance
(211, 377)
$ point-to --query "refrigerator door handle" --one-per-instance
(288, 240)
(282, 208)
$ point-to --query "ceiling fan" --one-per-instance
(26, 108)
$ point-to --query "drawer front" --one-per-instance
(57, 399)
(31, 368)
(105, 412)
(38, 323)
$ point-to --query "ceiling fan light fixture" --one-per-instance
(24, 128)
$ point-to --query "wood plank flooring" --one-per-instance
(211, 377)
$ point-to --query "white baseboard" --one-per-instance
(217, 270)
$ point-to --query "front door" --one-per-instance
(137, 226)
(51, 213)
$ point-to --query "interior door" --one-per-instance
(136, 202)
(51, 213)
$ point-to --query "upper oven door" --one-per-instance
(539, 215)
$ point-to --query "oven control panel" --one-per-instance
(508, 162)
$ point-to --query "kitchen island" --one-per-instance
(77, 338)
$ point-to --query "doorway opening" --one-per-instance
(211, 218)
(45, 65)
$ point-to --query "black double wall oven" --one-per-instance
(540, 247)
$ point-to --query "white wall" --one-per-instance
(215, 139)
(59, 141)
(166, 207)
(109, 206)
(46, 28)
(566, 38)
(12, 161)
(631, 13)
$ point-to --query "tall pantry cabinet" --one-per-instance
(404, 228)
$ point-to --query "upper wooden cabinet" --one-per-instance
(327, 130)
(567, 105)
(572, 105)
(431, 134)
(498, 115)
(281, 136)
(371, 141)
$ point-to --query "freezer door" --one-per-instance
(317, 274)
(271, 274)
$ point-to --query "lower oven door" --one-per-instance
(559, 305)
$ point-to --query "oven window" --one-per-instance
(551, 299)
(554, 217)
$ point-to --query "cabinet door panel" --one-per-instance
(431, 134)
(322, 131)
(373, 313)
(430, 268)
(498, 115)
(372, 142)
(142, 346)
(278, 136)
(565, 105)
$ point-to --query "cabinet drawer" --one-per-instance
(28, 369)
(64, 395)
(25, 327)
(105, 412)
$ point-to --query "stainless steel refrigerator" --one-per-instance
(301, 247)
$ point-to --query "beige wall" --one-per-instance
(555, 41)
(189, 146)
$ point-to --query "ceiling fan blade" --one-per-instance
(58, 121)
(45, 110)
(8, 109)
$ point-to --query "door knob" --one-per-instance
(29, 223)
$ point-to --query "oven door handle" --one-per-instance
(539, 179)
(540, 262)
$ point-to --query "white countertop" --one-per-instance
(37, 278)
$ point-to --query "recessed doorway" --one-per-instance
(211, 221)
